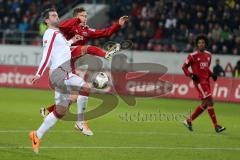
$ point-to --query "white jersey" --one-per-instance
(56, 51)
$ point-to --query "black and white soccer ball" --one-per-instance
(100, 80)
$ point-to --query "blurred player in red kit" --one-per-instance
(76, 26)
(200, 62)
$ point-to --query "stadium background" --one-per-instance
(162, 31)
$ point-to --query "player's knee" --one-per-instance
(60, 111)
(86, 88)
(204, 104)
(210, 102)
(73, 98)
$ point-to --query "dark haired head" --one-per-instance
(78, 10)
(201, 37)
(45, 13)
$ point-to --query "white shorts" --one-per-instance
(72, 83)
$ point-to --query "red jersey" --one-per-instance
(71, 27)
(200, 63)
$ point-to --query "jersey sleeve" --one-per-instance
(66, 26)
(107, 32)
(48, 41)
(186, 64)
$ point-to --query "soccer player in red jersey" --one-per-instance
(200, 61)
(77, 26)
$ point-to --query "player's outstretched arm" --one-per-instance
(107, 32)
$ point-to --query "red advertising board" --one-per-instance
(19, 77)
(225, 89)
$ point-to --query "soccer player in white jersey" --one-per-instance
(56, 52)
(77, 26)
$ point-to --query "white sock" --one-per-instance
(48, 122)
(81, 106)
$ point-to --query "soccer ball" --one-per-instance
(100, 80)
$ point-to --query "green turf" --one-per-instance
(117, 136)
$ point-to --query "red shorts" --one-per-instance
(204, 90)
(76, 51)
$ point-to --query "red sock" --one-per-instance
(196, 113)
(56, 114)
(84, 93)
(211, 113)
(51, 108)
(96, 51)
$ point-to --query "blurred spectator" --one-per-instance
(149, 29)
(182, 33)
(216, 32)
(236, 71)
(159, 25)
(171, 21)
(225, 33)
(42, 28)
(12, 24)
(23, 26)
(218, 70)
(230, 3)
(24, 14)
(159, 31)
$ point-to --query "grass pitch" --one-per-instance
(150, 130)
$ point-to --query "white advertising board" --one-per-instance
(22, 55)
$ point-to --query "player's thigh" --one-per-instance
(75, 83)
(198, 88)
(74, 96)
(78, 51)
(81, 71)
(203, 89)
(206, 90)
